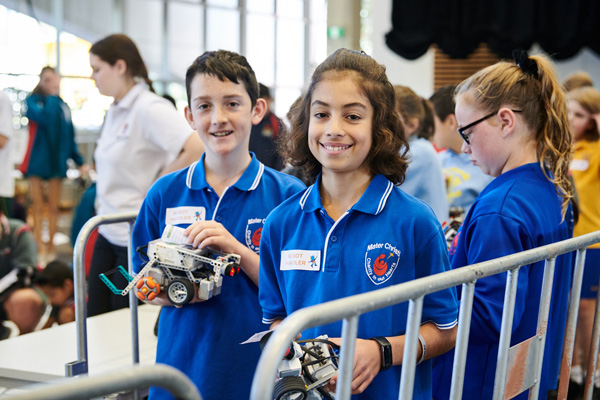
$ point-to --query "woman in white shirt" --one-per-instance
(143, 137)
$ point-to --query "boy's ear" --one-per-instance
(189, 117)
(259, 111)
(68, 285)
(451, 122)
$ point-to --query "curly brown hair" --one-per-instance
(388, 155)
(542, 101)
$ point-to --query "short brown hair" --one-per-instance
(224, 65)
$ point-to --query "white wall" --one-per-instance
(416, 74)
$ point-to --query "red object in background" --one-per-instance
(89, 250)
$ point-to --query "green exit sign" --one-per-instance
(336, 32)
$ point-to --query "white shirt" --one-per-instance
(141, 135)
(7, 181)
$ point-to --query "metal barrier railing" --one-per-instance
(180, 386)
(350, 308)
(80, 366)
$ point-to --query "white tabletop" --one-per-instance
(41, 356)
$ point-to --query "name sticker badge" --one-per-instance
(579, 165)
(185, 215)
(305, 260)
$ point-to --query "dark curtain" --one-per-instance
(561, 28)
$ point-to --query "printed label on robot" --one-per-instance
(174, 234)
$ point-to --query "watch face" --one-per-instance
(386, 352)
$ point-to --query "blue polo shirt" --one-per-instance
(519, 210)
(464, 180)
(203, 339)
(424, 177)
(388, 237)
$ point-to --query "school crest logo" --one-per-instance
(253, 233)
(381, 260)
(452, 249)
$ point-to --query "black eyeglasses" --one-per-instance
(466, 136)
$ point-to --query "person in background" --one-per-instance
(347, 135)
(56, 281)
(7, 181)
(51, 144)
(584, 115)
(464, 181)
(263, 137)
(142, 138)
(222, 201)
(424, 178)
(22, 306)
(514, 123)
(577, 80)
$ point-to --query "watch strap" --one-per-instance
(386, 352)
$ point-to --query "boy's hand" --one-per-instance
(367, 361)
(211, 234)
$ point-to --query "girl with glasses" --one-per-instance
(514, 120)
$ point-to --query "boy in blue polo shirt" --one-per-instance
(353, 230)
(222, 200)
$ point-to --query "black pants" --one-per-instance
(106, 257)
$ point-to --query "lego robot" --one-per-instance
(180, 270)
(307, 366)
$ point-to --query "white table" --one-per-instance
(41, 356)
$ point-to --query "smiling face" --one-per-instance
(579, 118)
(222, 114)
(340, 125)
(486, 149)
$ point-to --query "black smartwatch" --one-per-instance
(386, 352)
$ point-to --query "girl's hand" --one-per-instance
(84, 170)
(211, 234)
(367, 361)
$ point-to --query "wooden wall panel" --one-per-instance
(449, 71)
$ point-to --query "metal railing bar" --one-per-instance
(180, 386)
(332, 311)
(542, 324)
(508, 312)
(344, 382)
(593, 353)
(569, 341)
(409, 357)
(80, 282)
(462, 340)
(133, 306)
